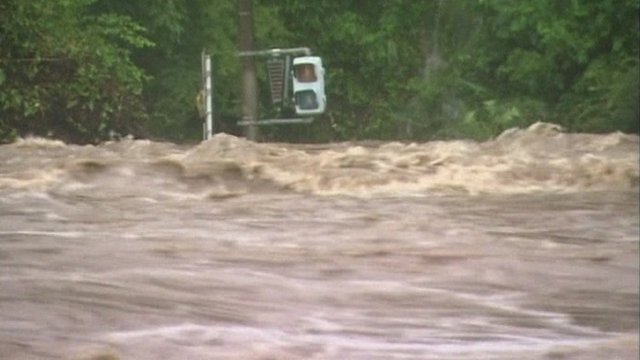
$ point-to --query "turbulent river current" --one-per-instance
(521, 247)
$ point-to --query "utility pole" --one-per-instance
(249, 82)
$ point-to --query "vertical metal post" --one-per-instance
(287, 79)
(200, 103)
(205, 96)
(208, 92)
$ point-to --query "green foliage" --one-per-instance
(578, 58)
(496, 116)
(68, 73)
(395, 69)
(605, 99)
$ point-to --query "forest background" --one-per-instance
(83, 70)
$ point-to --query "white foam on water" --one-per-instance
(227, 339)
(38, 142)
(35, 180)
(540, 158)
(60, 234)
(161, 251)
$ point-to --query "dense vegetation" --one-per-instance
(81, 70)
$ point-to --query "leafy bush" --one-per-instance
(68, 73)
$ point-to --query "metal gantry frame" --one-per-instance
(207, 88)
(287, 53)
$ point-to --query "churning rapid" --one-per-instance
(522, 247)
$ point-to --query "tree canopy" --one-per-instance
(82, 70)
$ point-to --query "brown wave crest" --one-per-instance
(541, 158)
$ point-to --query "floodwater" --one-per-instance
(523, 247)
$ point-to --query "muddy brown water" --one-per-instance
(523, 247)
